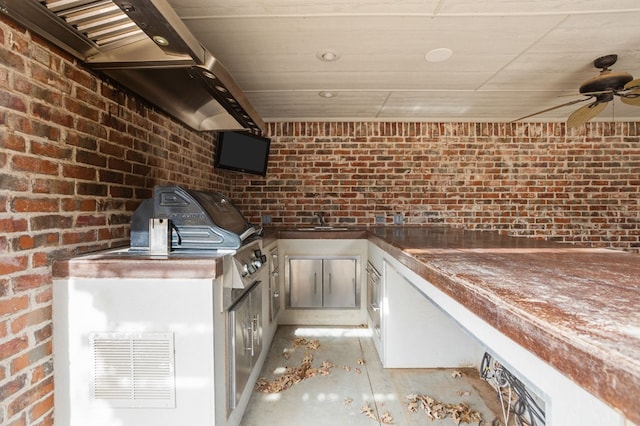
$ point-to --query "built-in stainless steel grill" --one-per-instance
(189, 220)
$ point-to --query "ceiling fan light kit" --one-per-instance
(603, 87)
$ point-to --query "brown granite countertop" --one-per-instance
(575, 308)
(120, 263)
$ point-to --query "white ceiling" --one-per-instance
(510, 57)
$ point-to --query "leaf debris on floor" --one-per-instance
(368, 411)
(308, 344)
(290, 377)
(459, 413)
(386, 418)
(294, 375)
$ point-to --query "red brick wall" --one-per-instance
(76, 157)
(523, 179)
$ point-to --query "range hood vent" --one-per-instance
(145, 46)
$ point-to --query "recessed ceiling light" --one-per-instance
(327, 94)
(439, 55)
(328, 55)
(160, 41)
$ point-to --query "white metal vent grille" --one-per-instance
(131, 370)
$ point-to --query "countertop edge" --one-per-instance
(113, 265)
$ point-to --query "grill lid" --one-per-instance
(198, 220)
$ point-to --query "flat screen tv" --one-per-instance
(243, 152)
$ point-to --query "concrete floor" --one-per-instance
(357, 380)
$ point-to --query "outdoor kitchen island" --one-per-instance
(562, 316)
(564, 319)
(145, 338)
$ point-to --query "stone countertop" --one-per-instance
(575, 308)
(121, 263)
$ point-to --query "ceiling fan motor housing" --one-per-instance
(607, 80)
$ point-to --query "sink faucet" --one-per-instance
(321, 218)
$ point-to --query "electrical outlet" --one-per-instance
(398, 219)
(379, 219)
(266, 219)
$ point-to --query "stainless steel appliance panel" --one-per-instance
(374, 298)
(274, 284)
(245, 341)
(339, 289)
(305, 277)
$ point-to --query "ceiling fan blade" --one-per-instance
(631, 98)
(551, 109)
(630, 95)
(585, 113)
(633, 84)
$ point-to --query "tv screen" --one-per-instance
(242, 152)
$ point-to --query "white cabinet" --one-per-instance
(417, 333)
(90, 313)
(323, 283)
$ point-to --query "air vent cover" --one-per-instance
(133, 370)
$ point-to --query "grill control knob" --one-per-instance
(259, 258)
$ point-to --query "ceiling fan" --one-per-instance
(602, 88)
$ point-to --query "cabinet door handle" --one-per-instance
(250, 331)
(330, 283)
(315, 282)
(256, 331)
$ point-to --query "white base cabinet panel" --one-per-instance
(86, 310)
(418, 334)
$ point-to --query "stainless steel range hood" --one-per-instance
(145, 46)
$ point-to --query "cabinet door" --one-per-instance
(241, 345)
(339, 283)
(274, 290)
(374, 300)
(256, 321)
(305, 283)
